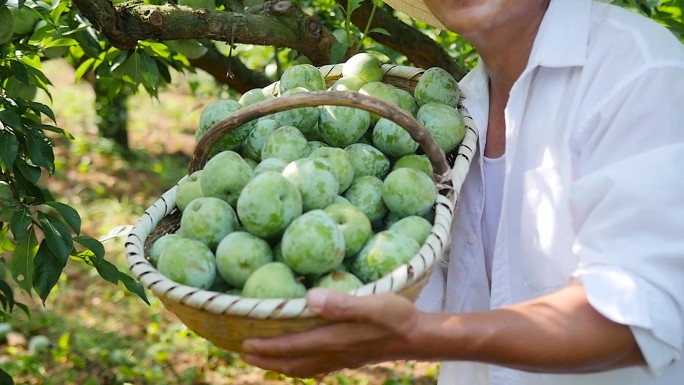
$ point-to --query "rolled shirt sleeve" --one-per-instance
(628, 213)
(658, 354)
(615, 294)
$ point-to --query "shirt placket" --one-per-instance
(501, 286)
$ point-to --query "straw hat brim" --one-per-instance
(415, 9)
(419, 11)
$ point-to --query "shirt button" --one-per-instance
(472, 239)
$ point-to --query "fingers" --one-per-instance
(389, 310)
(366, 329)
(308, 354)
(326, 339)
(359, 320)
(302, 367)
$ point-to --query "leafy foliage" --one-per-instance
(666, 12)
(41, 233)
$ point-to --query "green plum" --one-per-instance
(273, 280)
(313, 244)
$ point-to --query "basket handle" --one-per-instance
(321, 98)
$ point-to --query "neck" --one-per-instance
(506, 51)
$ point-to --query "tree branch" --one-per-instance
(279, 23)
(230, 71)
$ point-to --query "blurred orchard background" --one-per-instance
(99, 103)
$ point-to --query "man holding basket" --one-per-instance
(567, 256)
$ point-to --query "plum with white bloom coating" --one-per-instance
(383, 253)
(225, 175)
(188, 262)
(313, 244)
(239, 254)
(208, 220)
(406, 192)
(268, 204)
(315, 181)
(273, 280)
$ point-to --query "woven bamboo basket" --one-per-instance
(227, 320)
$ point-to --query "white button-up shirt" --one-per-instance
(593, 191)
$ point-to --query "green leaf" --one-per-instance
(85, 256)
(8, 300)
(127, 69)
(62, 7)
(83, 68)
(9, 148)
(5, 378)
(23, 308)
(134, 287)
(57, 236)
(107, 270)
(5, 241)
(115, 56)
(156, 48)
(7, 291)
(68, 213)
(148, 67)
(91, 244)
(11, 118)
(46, 193)
(151, 89)
(164, 71)
(30, 172)
(353, 5)
(41, 108)
(21, 264)
(63, 42)
(380, 31)
(19, 71)
(34, 72)
(3, 267)
(337, 51)
(47, 267)
(29, 119)
(19, 224)
(39, 150)
(90, 46)
(61, 131)
(46, 31)
(27, 189)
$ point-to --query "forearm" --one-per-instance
(558, 333)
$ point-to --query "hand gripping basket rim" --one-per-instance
(193, 304)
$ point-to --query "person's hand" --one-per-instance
(367, 330)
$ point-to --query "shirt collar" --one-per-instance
(561, 42)
(563, 35)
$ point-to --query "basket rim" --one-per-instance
(279, 308)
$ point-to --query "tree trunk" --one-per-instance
(112, 116)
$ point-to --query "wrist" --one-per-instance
(437, 336)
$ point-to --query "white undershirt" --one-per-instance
(494, 171)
